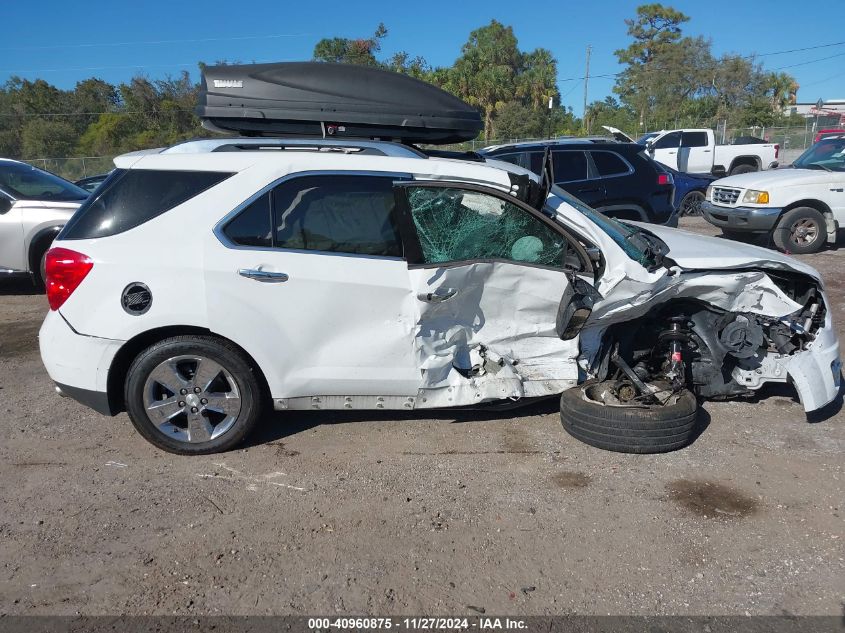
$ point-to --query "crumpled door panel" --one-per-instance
(486, 331)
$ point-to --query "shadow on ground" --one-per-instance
(18, 287)
(278, 425)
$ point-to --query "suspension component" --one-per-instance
(677, 337)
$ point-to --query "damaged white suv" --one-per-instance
(208, 281)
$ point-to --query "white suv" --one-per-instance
(209, 280)
(34, 206)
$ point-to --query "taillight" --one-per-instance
(777, 150)
(665, 179)
(65, 269)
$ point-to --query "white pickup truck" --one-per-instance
(800, 208)
(695, 151)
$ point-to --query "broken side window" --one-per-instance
(459, 225)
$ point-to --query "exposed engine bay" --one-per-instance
(687, 343)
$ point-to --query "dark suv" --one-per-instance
(617, 179)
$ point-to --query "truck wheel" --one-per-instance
(800, 231)
(193, 395)
(743, 169)
(588, 414)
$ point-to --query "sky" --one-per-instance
(64, 42)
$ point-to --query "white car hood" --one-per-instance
(780, 178)
(700, 252)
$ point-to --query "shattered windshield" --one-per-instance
(827, 154)
(636, 243)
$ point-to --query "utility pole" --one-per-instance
(587, 81)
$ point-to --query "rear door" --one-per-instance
(488, 276)
(665, 149)
(309, 276)
(695, 155)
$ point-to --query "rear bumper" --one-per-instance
(97, 400)
(78, 364)
(751, 219)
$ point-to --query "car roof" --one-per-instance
(320, 155)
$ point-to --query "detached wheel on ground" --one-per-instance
(743, 169)
(691, 204)
(588, 414)
(800, 231)
(193, 395)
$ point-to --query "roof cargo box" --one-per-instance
(342, 100)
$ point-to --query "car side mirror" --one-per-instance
(649, 147)
(576, 306)
(5, 205)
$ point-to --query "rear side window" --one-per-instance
(569, 165)
(131, 197)
(694, 139)
(253, 225)
(610, 164)
(343, 214)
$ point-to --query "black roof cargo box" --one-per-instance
(321, 99)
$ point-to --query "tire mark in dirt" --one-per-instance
(569, 479)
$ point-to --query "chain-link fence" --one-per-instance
(74, 168)
(792, 140)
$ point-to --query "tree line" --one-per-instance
(668, 79)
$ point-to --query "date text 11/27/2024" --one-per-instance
(374, 623)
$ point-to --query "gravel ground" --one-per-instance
(398, 514)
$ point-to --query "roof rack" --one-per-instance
(253, 144)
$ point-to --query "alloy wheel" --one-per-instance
(191, 398)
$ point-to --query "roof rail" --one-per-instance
(253, 144)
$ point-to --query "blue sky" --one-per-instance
(62, 42)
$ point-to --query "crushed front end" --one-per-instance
(722, 335)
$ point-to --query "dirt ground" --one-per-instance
(395, 514)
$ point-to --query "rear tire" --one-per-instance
(743, 169)
(193, 395)
(691, 204)
(634, 429)
(800, 231)
(39, 277)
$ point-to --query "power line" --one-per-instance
(812, 61)
(179, 41)
(798, 50)
(751, 56)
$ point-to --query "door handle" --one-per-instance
(593, 190)
(263, 275)
(707, 151)
(439, 296)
